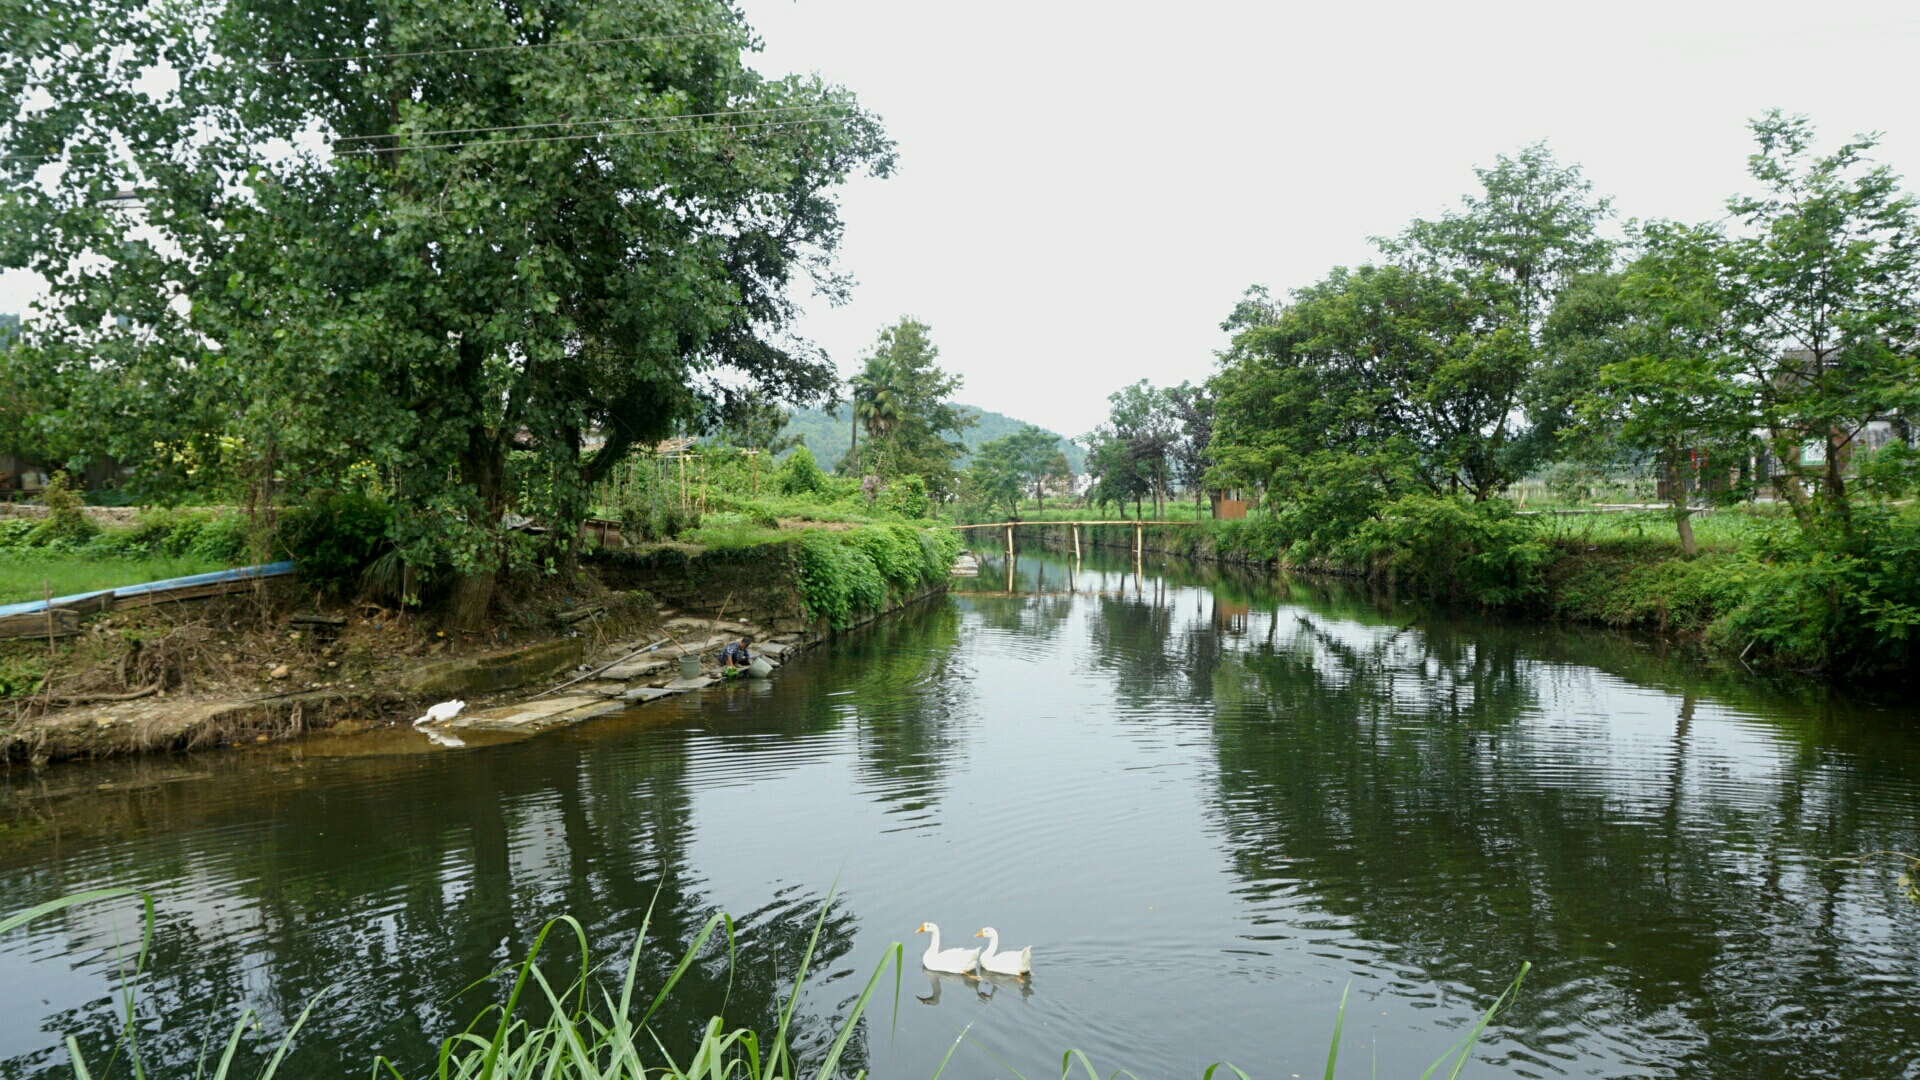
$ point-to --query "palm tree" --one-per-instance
(876, 402)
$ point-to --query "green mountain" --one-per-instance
(828, 434)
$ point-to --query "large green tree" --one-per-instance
(1819, 284)
(1666, 384)
(1130, 456)
(904, 400)
(1425, 371)
(435, 237)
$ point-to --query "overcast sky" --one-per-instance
(1085, 189)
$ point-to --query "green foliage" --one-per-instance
(65, 523)
(21, 673)
(905, 496)
(437, 290)
(334, 536)
(903, 401)
(845, 573)
(35, 573)
(1005, 469)
(1848, 604)
(993, 481)
(160, 543)
(837, 579)
(800, 474)
(1132, 456)
(1450, 545)
(1636, 583)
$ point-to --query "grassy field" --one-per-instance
(27, 575)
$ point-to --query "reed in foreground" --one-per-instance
(598, 1032)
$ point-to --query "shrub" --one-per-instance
(845, 573)
(1842, 599)
(800, 475)
(16, 532)
(1449, 543)
(65, 522)
(333, 536)
(906, 496)
(837, 579)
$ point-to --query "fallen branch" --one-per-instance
(98, 699)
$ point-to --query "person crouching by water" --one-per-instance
(737, 656)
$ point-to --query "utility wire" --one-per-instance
(583, 122)
(498, 48)
(375, 150)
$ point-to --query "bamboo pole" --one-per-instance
(1076, 542)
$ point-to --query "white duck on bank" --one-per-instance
(441, 713)
(1004, 963)
(957, 961)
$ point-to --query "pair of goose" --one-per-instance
(963, 961)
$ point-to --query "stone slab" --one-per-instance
(637, 668)
(640, 695)
(773, 650)
(602, 687)
(537, 714)
(701, 683)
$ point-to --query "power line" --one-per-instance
(376, 150)
(582, 122)
(498, 48)
(373, 151)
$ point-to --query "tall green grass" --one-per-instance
(28, 575)
(593, 1031)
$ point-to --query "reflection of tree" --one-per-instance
(1406, 782)
(892, 684)
(384, 888)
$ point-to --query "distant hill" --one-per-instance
(829, 434)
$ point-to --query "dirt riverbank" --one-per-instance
(279, 662)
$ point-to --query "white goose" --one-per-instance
(957, 961)
(1007, 963)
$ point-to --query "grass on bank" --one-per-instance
(36, 575)
(595, 1030)
(69, 554)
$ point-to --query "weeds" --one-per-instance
(592, 1033)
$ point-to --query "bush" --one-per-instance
(1847, 600)
(843, 574)
(16, 532)
(65, 523)
(906, 496)
(1449, 543)
(838, 580)
(800, 475)
(333, 537)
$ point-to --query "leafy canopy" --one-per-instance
(422, 236)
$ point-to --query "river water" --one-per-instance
(1211, 801)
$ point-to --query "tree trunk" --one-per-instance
(1837, 453)
(1677, 495)
(484, 466)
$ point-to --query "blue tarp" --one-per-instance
(241, 574)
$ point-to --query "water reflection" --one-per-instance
(1210, 797)
(392, 894)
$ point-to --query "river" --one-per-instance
(1212, 802)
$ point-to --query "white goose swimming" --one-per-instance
(1007, 963)
(958, 961)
